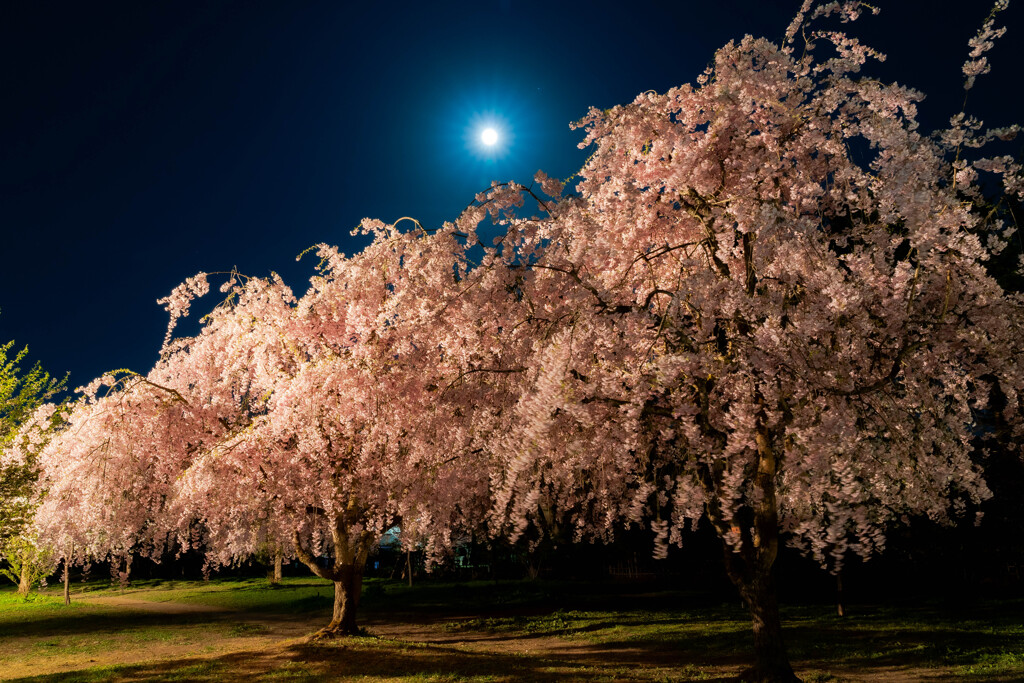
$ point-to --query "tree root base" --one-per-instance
(329, 633)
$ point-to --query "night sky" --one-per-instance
(141, 142)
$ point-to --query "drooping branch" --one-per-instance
(141, 379)
(308, 559)
(890, 378)
(472, 371)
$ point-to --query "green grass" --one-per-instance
(362, 659)
(46, 617)
(635, 633)
(16, 608)
(42, 631)
(985, 642)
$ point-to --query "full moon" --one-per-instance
(489, 137)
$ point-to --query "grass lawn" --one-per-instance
(480, 631)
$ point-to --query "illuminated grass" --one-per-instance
(611, 633)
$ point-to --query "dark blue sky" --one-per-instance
(141, 142)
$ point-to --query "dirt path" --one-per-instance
(159, 606)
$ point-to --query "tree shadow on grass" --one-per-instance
(716, 631)
(988, 654)
(102, 623)
(844, 648)
(703, 644)
(113, 619)
(985, 642)
(848, 649)
(374, 659)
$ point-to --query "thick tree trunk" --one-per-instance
(350, 554)
(347, 589)
(751, 568)
(758, 592)
(25, 582)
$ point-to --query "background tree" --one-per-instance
(315, 424)
(366, 427)
(107, 472)
(114, 470)
(26, 421)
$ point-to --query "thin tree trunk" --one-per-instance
(67, 583)
(394, 569)
(840, 609)
(408, 566)
(278, 562)
(533, 568)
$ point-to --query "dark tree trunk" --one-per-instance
(350, 554)
(751, 568)
(347, 589)
(761, 599)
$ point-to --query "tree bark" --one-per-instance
(278, 562)
(347, 589)
(25, 584)
(751, 567)
(67, 583)
(759, 594)
(350, 555)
